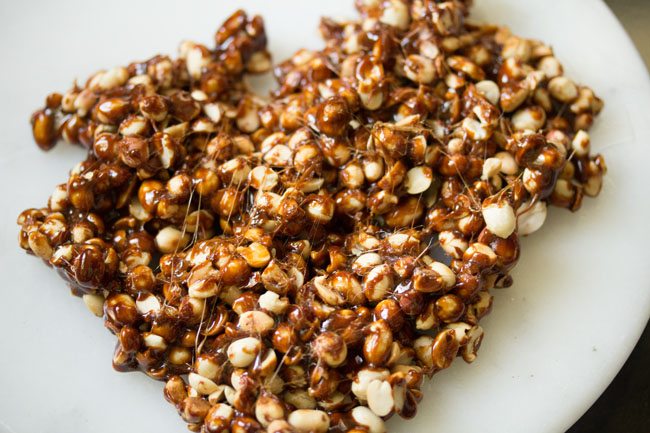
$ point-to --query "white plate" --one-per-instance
(554, 340)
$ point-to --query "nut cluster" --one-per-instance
(301, 264)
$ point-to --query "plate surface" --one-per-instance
(554, 340)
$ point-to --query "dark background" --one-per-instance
(625, 406)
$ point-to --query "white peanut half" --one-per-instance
(365, 417)
(491, 167)
(396, 14)
(448, 276)
(202, 385)
(94, 303)
(382, 397)
(272, 302)
(490, 90)
(147, 303)
(360, 383)
(563, 89)
(500, 219)
(418, 179)
(255, 322)
(170, 239)
(309, 420)
(508, 164)
(581, 143)
(242, 352)
(530, 218)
